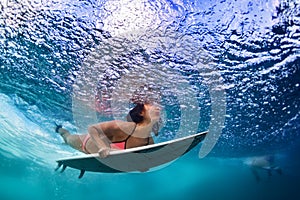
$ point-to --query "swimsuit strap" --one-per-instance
(122, 144)
(131, 132)
(84, 142)
(127, 136)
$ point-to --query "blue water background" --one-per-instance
(254, 46)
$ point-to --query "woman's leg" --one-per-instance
(72, 140)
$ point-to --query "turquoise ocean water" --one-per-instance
(231, 67)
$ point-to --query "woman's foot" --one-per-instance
(57, 128)
(64, 133)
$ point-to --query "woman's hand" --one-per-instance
(103, 152)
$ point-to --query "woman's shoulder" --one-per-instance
(119, 123)
(114, 122)
(123, 125)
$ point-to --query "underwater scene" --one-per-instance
(228, 67)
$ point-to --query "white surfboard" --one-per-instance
(134, 159)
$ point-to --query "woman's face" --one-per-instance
(152, 112)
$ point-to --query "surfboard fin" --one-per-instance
(63, 168)
(58, 166)
(81, 173)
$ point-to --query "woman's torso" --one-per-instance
(123, 135)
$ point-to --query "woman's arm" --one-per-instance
(151, 141)
(102, 142)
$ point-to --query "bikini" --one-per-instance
(118, 144)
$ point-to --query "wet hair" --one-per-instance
(134, 114)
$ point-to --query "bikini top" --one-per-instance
(122, 144)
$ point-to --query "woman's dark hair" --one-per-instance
(134, 114)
